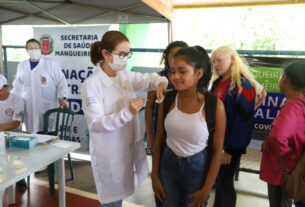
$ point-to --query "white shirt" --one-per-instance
(187, 134)
(116, 144)
(11, 109)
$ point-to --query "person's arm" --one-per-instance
(149, 115)
(62, 86)
(10, 126)
(17, 118)
(94, 110)
(260, 98)
(157, 186)
(282, 129)
(63, 103)
(18, 108)
(201, 196)
(245, 100)
(146, 81)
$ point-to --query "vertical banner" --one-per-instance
(70, 47)
(267, 112)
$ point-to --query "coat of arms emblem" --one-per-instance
(46, 44)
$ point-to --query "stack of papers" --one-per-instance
(42, 139)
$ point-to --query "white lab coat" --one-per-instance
(116, 144)
(40, 88)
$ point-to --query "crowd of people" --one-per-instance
(199, 119)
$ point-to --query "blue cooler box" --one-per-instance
(25, 142)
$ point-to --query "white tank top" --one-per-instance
(187, 134)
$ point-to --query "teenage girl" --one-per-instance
(181, 175)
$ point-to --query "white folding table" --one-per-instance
(17, 163)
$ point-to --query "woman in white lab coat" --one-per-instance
(110, 107)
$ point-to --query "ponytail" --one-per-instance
(96, 52)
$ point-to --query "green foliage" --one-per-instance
(15, 54)
(255, 28)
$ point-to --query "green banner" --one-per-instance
(268, 77)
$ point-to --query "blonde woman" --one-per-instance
(235, 86)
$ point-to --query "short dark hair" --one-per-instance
(32, 40)
(295, 71)
(168, 49)
(198, 59)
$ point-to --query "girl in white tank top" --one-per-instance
(181, 175)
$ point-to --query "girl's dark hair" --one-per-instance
(109, 41)
(31, 40)
(198, 58)
(295, 71)
(201, 49)
(168, 49)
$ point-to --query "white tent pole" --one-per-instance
(169, 32)
(1, 53)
